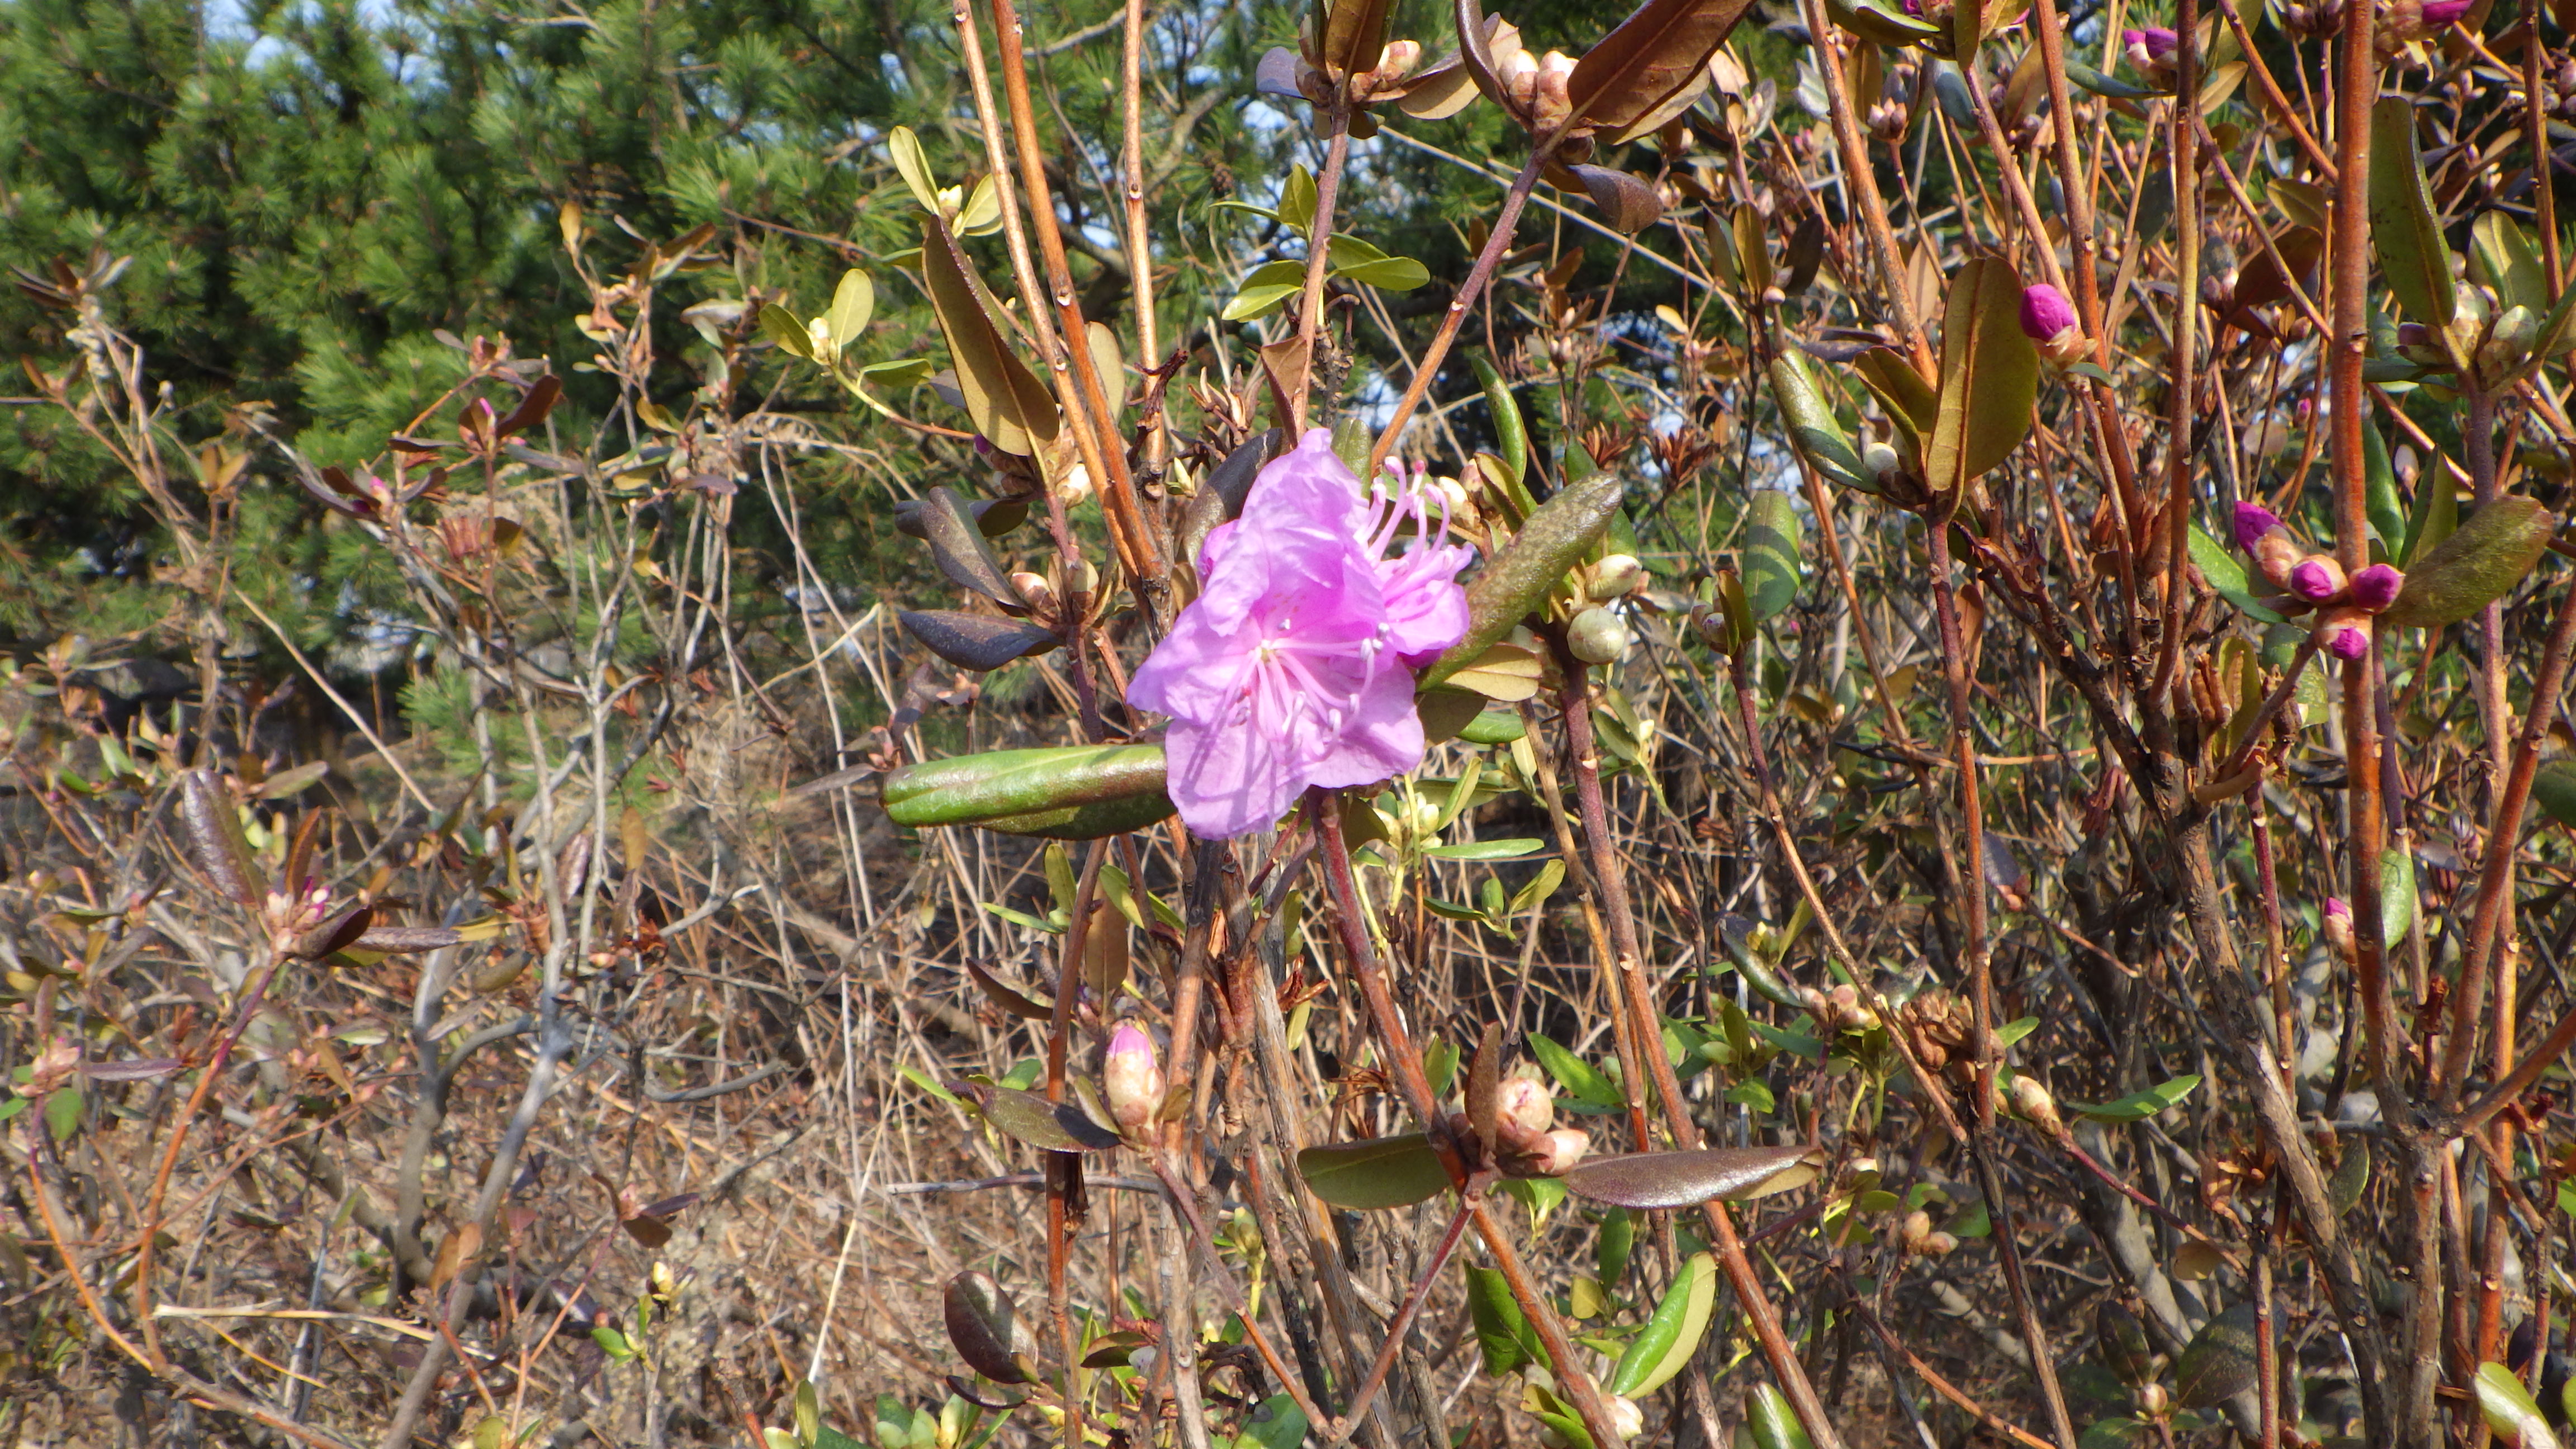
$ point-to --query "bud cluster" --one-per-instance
(2344, 605)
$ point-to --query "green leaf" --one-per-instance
(904, 149)
(899, 372)
(2501, 257)
(1051, 1126)
(1488, 849)
(781, 327)
(1688, 1178)
(1887, 24)
(2510, 1414)
(919, 1079)
(1772, 535)
(1022, 919)
(1297, 201)
(1501, 1329)
(2351, 1176)
(2386, 511)
(1264, 288)
(1610, 1251)
(2015, 1029)
(2218, 1363)
(2138, 1106)
(1672, 1333)
(1754, 1093)
(2436, 515)
(2116, 1433)
(1773, 1423)
(2479, 563)
(1388, 274)
(1591, 1089)
(1382, 1172)
(1523, 573)
(1000, 787)
(63, 1112)
(2396, 897)
(2087, 78)
(1511, 432)
(1813, 429)
(1989, 377)
(854, 301)
(1277, 1424)
(1540, 887)
(2404, 229)
(2553, 789)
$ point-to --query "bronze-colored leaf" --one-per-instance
(1014, 1002)
(1010, 406)
(1478, 38)
(979, 642)
(1354, 35)
(1662, 49)
(1627, 203)
(1220, 498)
(1485, 1085)
(984, 1328)
(1685, 1179)
(1989, 377)
(957, 545)
(532, 409)
(335, 935)
(2263, 283)
(1439, 93)
(993, 516)
(215, 841)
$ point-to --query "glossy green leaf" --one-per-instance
(2509, 1411)
(1488, 849)
(2380, 500)
(2553, 789)
(1382, 1172)
(1610, 1250)
(1502, 1330)
(978, 789)
(1672, 1333)
(1519, 578)
(1813, 429)
(1772, 538)
(2085, 77)
(2436, 514)
(1989, 377)
(904, 149)
(2479, 563)
(1265, 288)
(1511, 432)
(1883, 24)
(2501, 257)
(854, 301)
(1773, 1423)
(63, 1112)
(2405, 231)
(2226, 574)
(2219, 1362)
(2137, 1106)
(2396, 896)
(780, 326)
(1592, 1090)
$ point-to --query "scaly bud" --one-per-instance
(1626, 1419)
(1131, 1079)
(1614, 577)
(1565, 1147)
(2253, 523)
(2344, 632)
(1527, 1105)
(1596, 636)
(2033, 1102)
(2375, 588)
(2048, 319)
(2317, 579)
(2337, 929)
(2151, 50)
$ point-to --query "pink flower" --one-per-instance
(2376, 587)
(1294, 666)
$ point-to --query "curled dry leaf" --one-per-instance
(215, 841)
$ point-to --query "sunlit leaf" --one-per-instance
(2405, 230)
(1382, 1172)
(1672, 1333)
(2479, 563)
(1772, 537)
(1684, 1179)
(1989, 377)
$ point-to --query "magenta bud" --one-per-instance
(2346, 641)
(2045, 312)
(2376, 587)
(2253, 521)
(2338, 909)
(1131, 1079)
(2317, 579)
(983, 446)
(2155, 39)
(2439, 14)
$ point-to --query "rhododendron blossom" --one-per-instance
(1294, 666)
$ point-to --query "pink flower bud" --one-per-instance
(2253, 521)
(2317, 579)
(1131, 1078)
(2337, 928)
(2441, 14)
(2045, 312)
(2344, 632)
(2376, 587)
(2151, 50)
(1565, 1148)
(2338, 909)
(1527, 1105)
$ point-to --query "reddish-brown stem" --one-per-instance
(1497, 243)
(1319, 246)
(1629, 971)
(1360, 953)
